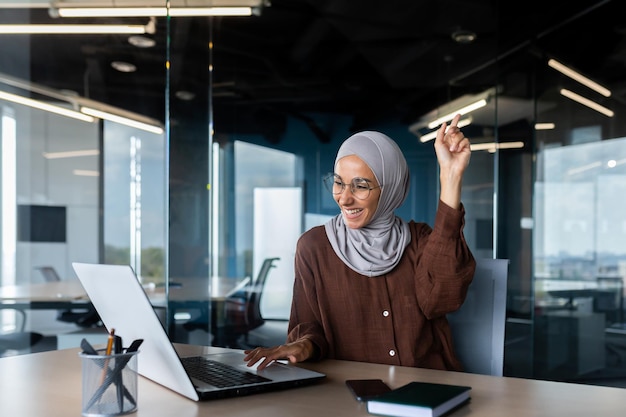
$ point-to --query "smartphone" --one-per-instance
(366, 389)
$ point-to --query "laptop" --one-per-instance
(123, 305)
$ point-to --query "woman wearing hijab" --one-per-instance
(370, 286)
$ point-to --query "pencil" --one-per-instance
(107, 352)
(110, 341)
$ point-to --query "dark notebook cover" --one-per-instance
(417, 399)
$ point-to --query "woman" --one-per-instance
(368, 285)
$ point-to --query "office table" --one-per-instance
(59, 295)
(187, 293)
(49, 384)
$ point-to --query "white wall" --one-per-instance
(277, 227)
(52, 182)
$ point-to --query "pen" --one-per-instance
(111, 375)
(119, 381)
(90, 350)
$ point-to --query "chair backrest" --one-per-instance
(478, 326)
(49, 273)
(255, 319)
(19, 338)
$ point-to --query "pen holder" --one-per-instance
(109, 384)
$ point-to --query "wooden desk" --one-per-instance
(49, 384)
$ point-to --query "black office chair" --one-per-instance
(83, 317)
(18, 340)
(243, 309)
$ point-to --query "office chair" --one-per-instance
(83, 317)
(19, 339)
(478, 326)
(243, 309)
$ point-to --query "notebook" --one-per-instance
(123, 305)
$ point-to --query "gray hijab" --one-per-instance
(376, 248)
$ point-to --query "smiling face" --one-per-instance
(356, 213)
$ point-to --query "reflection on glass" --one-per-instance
(580, 257)
(134, 200)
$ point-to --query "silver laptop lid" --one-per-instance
(122, 304)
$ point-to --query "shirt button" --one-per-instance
(392, 352)
(385, 313)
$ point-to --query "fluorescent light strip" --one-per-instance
(72, 29)
(584, 168)
(152, 11)
(85, 173)
(586, 102)
(45, 107)
(464, 110)
(122, 120)
(492, 146)
(71, 154)
(578, 77)
(544, 126)
(432, 135)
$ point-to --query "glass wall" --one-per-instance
(83, 181)
(188, 205)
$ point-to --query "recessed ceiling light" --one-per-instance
(122, 66)
(464, 36)
(141, 41)
(185, 95)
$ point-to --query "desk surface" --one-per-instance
(72, 290)
(49, 384)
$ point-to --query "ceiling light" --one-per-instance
(463, 110)
(578, 77)
(432, 135)
(71, 154)
(493, 146)
(464, 36)
(185, 95)
(586, 102)
(71, 29)
(152, 11)
(544, 126)
(85, 173)
(141, 41)
(462, 105)
(122, 66)
(122, 120)
(45, 106)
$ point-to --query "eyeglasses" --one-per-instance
(360, 187)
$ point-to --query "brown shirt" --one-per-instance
(397, 318)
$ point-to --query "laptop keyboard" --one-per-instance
(219, 374)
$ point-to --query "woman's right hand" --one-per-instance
(297, 351)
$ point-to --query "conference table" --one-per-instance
(183, 294)
(49, 384)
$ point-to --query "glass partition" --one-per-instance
(192, 207)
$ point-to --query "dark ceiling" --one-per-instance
(368, 59)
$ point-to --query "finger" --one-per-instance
(464, 144)
(440, 133)
(266, 362)
(455, 120)
(250, 353)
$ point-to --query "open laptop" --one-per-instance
(123, 305)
